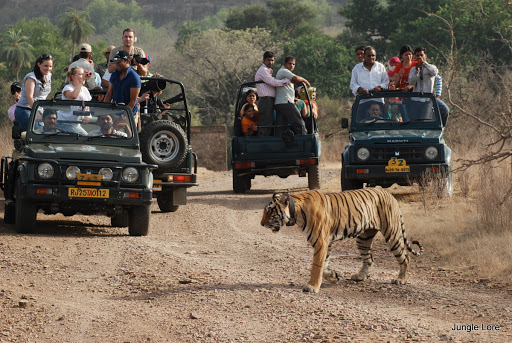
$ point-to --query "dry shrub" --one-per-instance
(6, 142)
(475, 235)
(333, 137)
(432, 188)
(464, 181)
(494, 200)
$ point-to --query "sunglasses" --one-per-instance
(45, 57)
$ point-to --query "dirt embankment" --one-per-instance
(210, 273)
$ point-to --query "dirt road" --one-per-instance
(210, 273)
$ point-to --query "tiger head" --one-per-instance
(277, 213)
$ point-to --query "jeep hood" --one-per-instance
(398, 136)
(82, 152)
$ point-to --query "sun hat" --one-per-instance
(107, 50)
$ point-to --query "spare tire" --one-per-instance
(163, 143)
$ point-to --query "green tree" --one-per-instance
(106, 13)
(284, 18)
(46, 38)
(15, 50)
(249, 17)
(378, 20)
(292, 18)
(327, 65)
(186, 31)
(461, 32)
(75, 25)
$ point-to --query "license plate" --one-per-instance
(88, 193)
(157, 185)
(397, 165)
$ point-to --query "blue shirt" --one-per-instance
(122, 87)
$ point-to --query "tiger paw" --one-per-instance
(399, 281)
(310, 289)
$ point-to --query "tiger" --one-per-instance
(328, 217)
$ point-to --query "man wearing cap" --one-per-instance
(124, 83)
(16, 95)
(92, 81)
(129, 39)
(101, 68)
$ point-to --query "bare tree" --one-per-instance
(215, 63)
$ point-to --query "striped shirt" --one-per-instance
(268, 88)
(438, 85)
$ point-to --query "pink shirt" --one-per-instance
(269, 87)
(10, 112)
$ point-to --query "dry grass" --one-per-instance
(6, 142)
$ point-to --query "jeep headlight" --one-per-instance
(71, 172)
(130, 174)
(431, 152)
(363, 154)
(107, 174)
(45, 170)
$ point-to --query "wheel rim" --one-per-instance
(164, 146)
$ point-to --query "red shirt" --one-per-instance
(405, 77)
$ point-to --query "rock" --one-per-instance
(23, 303)
(194, 315)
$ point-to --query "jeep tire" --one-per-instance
(25, 212)
(138, 218)
(120, 220)
(9, 213)
(313, 178)
(165, 201)
(241, 184)
(163, 143)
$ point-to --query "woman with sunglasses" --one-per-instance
(36, 86)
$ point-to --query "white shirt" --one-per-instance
(423, 80)
(285, 94)
(106, 76)
(83, 95)
(369, 79)
(269, 87)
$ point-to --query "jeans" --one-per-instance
(444, 109)
(22, 117)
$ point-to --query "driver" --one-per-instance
(106, 127)
(375, 111)
(49, 121)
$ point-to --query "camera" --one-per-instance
(140, 59)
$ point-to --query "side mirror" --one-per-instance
(344, 123)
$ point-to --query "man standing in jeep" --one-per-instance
(267, 92)
(422, 77)
(129, 40)
(369, 76)
(287, 112)
(124, 83)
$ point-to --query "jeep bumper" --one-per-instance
(71, 199)
(377, 174)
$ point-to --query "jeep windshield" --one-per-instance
(395, 109)
(83, 120)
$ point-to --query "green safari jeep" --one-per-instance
(395, 137)
(78, 157)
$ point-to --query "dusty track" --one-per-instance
(210, 273)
